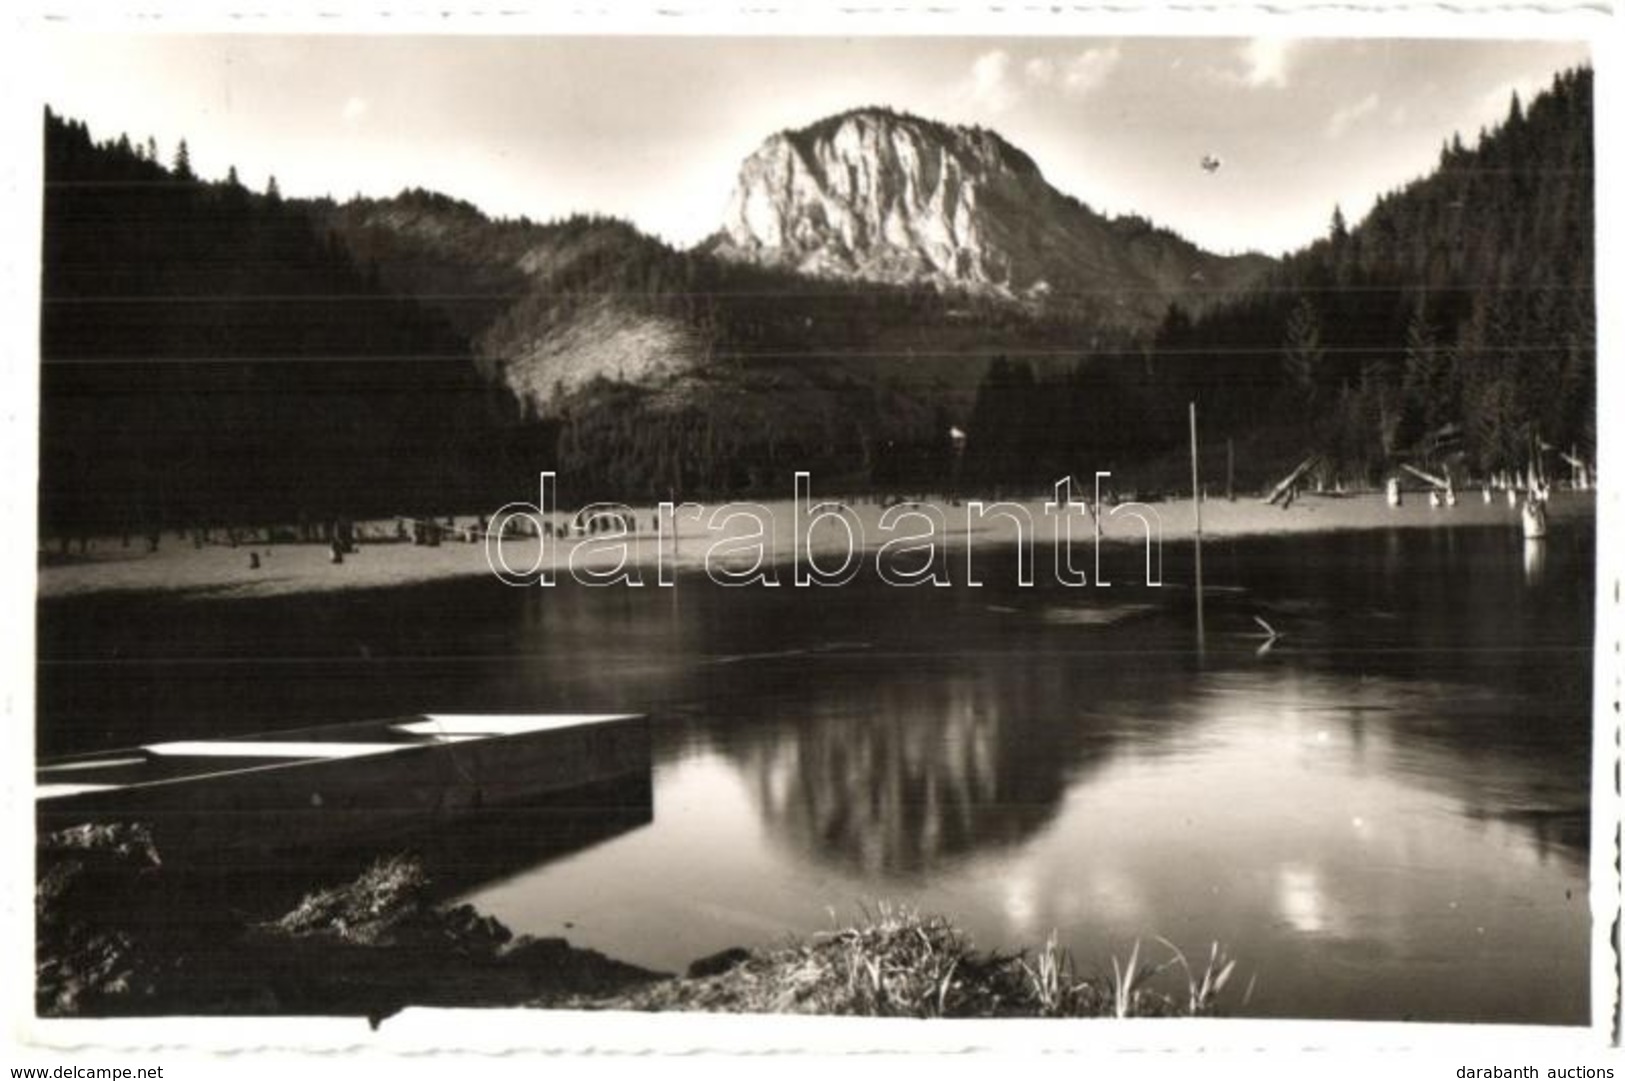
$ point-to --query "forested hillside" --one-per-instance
(1453, 327)
(671, 371)
(216, 353)
(209, 355)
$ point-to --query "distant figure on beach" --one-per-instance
(1394, 497)
(253, 561)
(335, 549)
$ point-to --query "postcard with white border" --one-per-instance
(572, 533)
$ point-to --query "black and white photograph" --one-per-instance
(958, 527)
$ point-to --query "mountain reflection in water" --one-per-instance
(902, 778)
(1385, 815)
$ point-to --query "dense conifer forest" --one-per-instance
(209, 356)
(215, 353)
(1453, 328)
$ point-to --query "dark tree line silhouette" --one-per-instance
(1455, 327)
(852, 381)
(213, 353)
(210, 356)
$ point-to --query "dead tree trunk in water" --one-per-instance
(1291, 479)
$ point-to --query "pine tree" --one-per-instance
(1302, 352)
(1340, 227)
(183, 161)
(1421, 382)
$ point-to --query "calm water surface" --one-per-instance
(1384, 815)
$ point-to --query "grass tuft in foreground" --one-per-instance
(120, 933)
(895, 962)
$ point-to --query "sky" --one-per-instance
(653, 129)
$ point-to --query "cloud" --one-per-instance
(990, 81)
(1089, 69)
(1348, 115)
(354, 109)
(997, 83)
(1040, 71)
(1267, 61)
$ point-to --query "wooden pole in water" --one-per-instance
(676, 546)
(1196, 504)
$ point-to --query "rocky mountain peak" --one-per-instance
(879, 195)
(850, 132)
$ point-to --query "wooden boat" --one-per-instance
(338, 783)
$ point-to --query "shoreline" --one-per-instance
(763, 538)
(110, 945)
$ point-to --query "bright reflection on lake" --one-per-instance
(1383, 814)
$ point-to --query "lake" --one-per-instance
(1382, 815)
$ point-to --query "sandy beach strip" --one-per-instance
(726, 535)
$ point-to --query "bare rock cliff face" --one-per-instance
(883, 196)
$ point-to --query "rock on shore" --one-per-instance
(121, 934)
